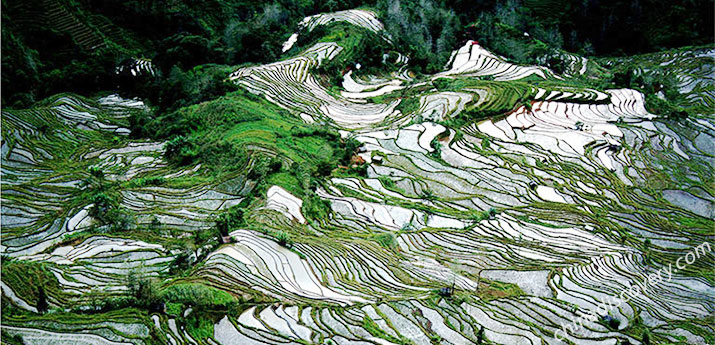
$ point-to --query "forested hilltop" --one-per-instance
(357, 173)
(58, 46)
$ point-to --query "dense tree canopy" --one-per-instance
(75, 45)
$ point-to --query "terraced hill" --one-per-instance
(490, 203)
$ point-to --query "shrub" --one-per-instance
(485, 144)
(437, 146)
(103, 203)
(428, 195)
(614, 323)
(148, 181)
(275, 165)
(358, 170)
(480, 335)
(347, 148)
(96, 172)
(144, 289)
(42, 304)
(15, 339)
(283, 238)
(263, 166)
(479, 216)
(229, 220)
(199, 326)
(387, 240)
(442, 84)
(223, 155)
(181, 262)
(181, 150)
(324, 168)
(387, 182)
(204, 236)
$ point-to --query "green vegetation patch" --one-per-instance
(241, 131)
(490, 290)
(33, 282)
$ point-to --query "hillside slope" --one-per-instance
(339, 196)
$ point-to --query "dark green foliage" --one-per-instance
(314, 207)
(199, 84)
(222, 155)
(181, 150)
(102, 204)
(96, 172)
(15, 339)
(42, 55)
(256, 39)
(646, 337)
(275, 165)
(105, 202)
(42, 304)
(138, 124)
(283, 238)
(199, 326)
(437, 146)
(502, 28)
(264, 166)
(361, 46)
(425, 29)
(324, 168)
(107, 211)
(143, 289)
(357, 170)
(148, 181)
(230, 220)
(614, 323)
(208, 236)
(387, 182)
(584, 27)
(181, 263)
(347, 149)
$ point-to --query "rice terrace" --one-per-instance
(339, 172)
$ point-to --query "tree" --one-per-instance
(425, 28)
(283, 238)
(646, 338)
(182, 150)
(41, 300)
(480, 335)
(143, 289)
(324, 168)
(229, 220)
